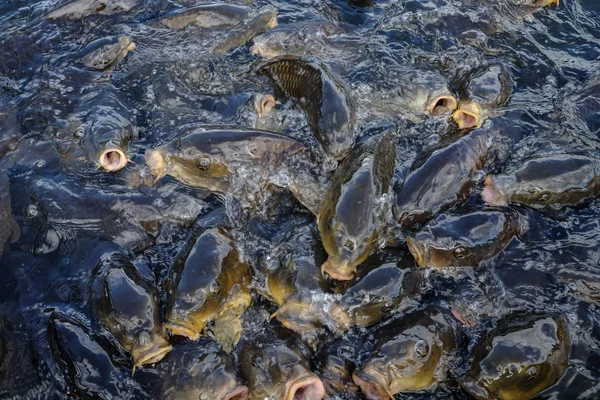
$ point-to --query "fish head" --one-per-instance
(106, 53)
(519, 359)
(460, 240)
(406, 363)
(112, 158)
(469, 115)
(149, 348)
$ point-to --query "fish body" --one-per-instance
(77, 9)
(351, 214)
(106, 53)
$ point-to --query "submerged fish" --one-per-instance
(77, 9)
(351, 214)
(464, 238)
(548, 180)
(370, 298)
(443, 180)
(200, 371)
(298, 38)
(213, 16)
(521, 357)
(482, 92)
(106, 53)
(328, 108)
(301, 294)
(208, 282)
(213, 159)
(127, 305)
(278, 368)
(85, 363)
(9, 230)
(410, 354)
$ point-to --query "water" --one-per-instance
(71, 214)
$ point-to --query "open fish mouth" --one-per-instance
(151, 354)
(468, 116)
(491, 194)
(308, 387)
(239, 392)
(112, 159)
(442, 104)
(372, 390)
(337, 271)
(182, 328)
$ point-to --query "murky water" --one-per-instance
(72, 215)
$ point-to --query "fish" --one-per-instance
(278, 368)
(351, 214)
(106, 53)
(85, 361)
(9, 229)
(464, 238)
(211, 159)
(522, 356)
(212, 16)
(410, 354)
(549, 180)
(300, 291)
(371, 297)
(208, 282)
(323, 97)
(427, 93)
(339, 357)
(260, 21)
(297, 38)
(443, 180)
(77, 9)
(20, 370)
(126, 304)
(482, 93)
(201, 370)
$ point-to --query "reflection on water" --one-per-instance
(78, 100)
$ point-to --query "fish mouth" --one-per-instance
(239, 392)
(417, 250)
(300, 317)
(468, 116)
(547, 3)
(337, 271)
(491, 194)
(182, 328)
(151, 354)
(307, 387)
(442, 104)
(156, 163)
(264, 104)
(371, 389)
(112, 159)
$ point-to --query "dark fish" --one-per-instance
(77, 9)
(298, 38)
(9, 230)
(323, 97)
(300, 291)
(443, 180)
(373, 296)
(106, 53)
(521, 357)
(259, 22)
(127, 305)
(278, 368)
(339, 359)
(212, 159)
(20, 375)
(482, 92)
(464, 238)
(200, 371)
(410, 354)
(548, 180)
(208, 282)
(352, 213)
(85, 363)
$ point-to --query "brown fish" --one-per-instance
(127, 305)
(77, 9)
(208, 282)
(521, 357)
(351, 215)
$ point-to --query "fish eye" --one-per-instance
(460, 252)
(544, 197)
(214, 288)
(421, 348)
(203, 163)
(513, 369)
(79, 132)
(531, 372)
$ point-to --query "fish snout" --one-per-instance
(417, 250)
(182, 327)
(491, 194)
(156, 163)
(239, 392)
(468, 116)
(442, 104)
(305, 386)
(149, 348)
(112, 159)
(371, 389)
(337, 270)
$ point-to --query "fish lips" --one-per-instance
(418, 251)
(371, 388)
